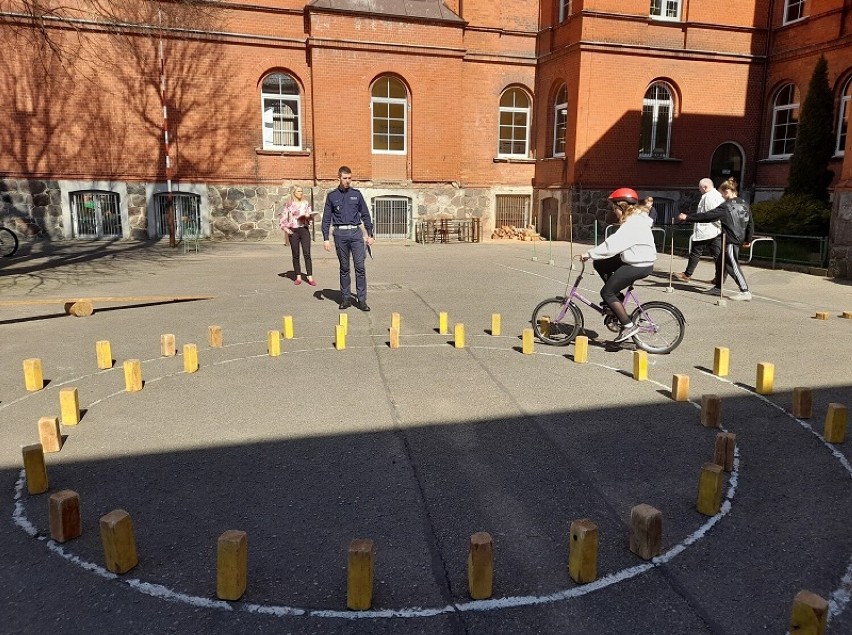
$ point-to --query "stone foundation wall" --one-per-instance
(32, 207)
(840, 259)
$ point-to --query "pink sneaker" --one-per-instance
(298, 281)
(313, 283)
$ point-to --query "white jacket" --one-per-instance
(634, 240)
(707, 231)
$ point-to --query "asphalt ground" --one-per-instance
(416, 448)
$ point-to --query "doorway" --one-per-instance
(728, 161)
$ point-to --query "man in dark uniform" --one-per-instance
(346, 209)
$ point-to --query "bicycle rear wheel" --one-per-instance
(555, 323)
(662, 327)
(8, 242)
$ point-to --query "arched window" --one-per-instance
(785, 122)
(389, 103)
(843, 117)
(560, 121)
(281, 111)
(514, 135)
(657, 113)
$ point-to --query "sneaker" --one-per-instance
(627, 332)
(742, 295)
(298, 281)
(313, 283)
(683, 277)
(713, 291)
(345, 304)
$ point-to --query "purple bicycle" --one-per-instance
(559, 320)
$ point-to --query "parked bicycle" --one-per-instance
(8, 242)
(559, 320)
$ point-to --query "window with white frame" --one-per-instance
(564, 10)
(281, 110)
(665, 9)
(793, 10)
(657, 115)
(785, 123)
(843, 117)
(514, 134)
(389, 103)
(560, 121)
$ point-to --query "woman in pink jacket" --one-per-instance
(296, 218)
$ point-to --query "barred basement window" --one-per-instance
(95, 214)
(512, 209)
(187, 213)
(392, 217)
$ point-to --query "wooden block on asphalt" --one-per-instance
(496, 324)
(69, 406)
(168, 347)
(822, 315)
(721, 358)
(458, 336)
(846, 315)
(583, 551)
(232, 565)
(214, 336)
(765, 378)
(340, 337)
(646, 531)
(394, 338)
(80, 308)
(835, 423)
(710, 489)
(34, 468)
(288, 327)
(359, 575)
(640, 365)
(443, 327)
(723, 450)
(64, 515)
(544, 326)
(480, 566)
(103, 350)
(581, 349)
(49, 435)
(528, 346)
(809, 615)
(273, 343)
(118, 541)
(33, 377)
(395, 321)
(680, 387)
(803, 403)
(343, 320)
(711, 411)
(190, 358)
(133, 375)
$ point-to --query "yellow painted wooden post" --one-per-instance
(340, 337)
(103, 350)
(711, 411)
(528, 347)
(232, 565)
(765, 378)
(809, 615)
(459, 336)
(395, 321)
(33, 377)
(721, 358)
(835, 423)
(273, 343)
(69, 406)
(359, 576)
(133, 375)
(680, 387)
(49, 435)
(822, 315)
(214, 336)
(64, 515)
(480, 566)
(288, 327)
(34, 468)
(496, 324)
(343, 320)
(443, 327)
(581, 349)
(710, 489)
(583, 551)
(640, 365)
(190, 358)
(394, 338)
(118, 541)
(803, 403)
(168, 346)
(646, 531)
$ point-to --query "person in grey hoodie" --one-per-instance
(626, 256)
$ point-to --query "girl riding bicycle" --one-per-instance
(625, 257)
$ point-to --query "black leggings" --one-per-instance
(617, 276)
(301, 238)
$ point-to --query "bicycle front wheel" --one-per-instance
(8, 242)
(556, 323)
(661, 325)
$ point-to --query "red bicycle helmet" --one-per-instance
(624, 195)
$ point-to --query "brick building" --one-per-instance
(511, 111)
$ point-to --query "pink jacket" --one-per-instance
(295, 214)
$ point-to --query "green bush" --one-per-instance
(794, 214)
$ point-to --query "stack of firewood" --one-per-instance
(520, 233)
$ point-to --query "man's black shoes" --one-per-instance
(363, 306)
(345, 304)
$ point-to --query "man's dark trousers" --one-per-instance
(346, 242)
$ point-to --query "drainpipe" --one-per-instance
(762, 128)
